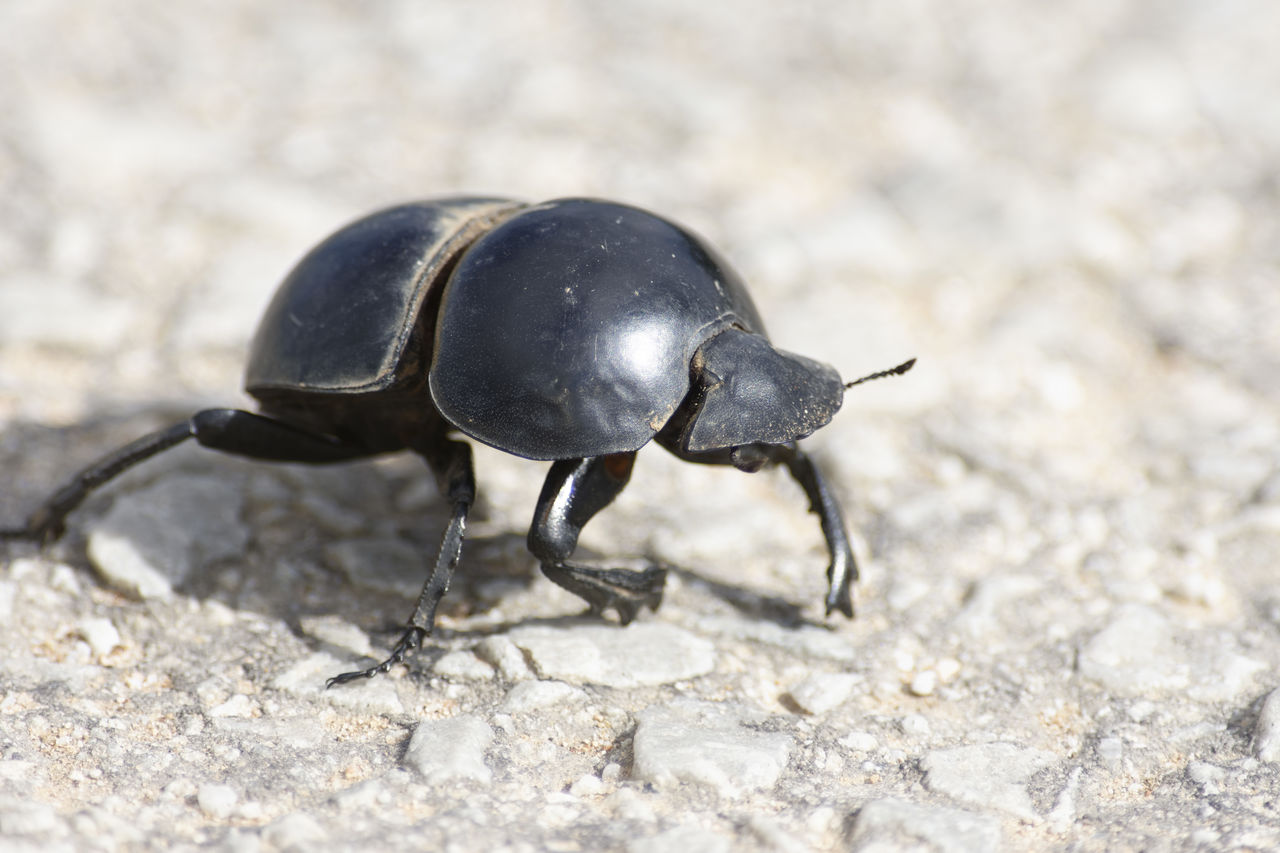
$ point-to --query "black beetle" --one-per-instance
(573, 331)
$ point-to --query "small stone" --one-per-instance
(216, 801)
(101, 635)
(450, 750)
(153, 539)
(1208, 776)
(916, 725)
(338, 632)
(463, 665)
(988, 775)
(505, 656)
(924, 683)
(1110, 750)
(1266, 732)
(708, 744)
(1134, 655)
(531, 695)
(587, 786)
(859, 741)
(238, 705)
(641, 654)
(890, 824)
(818, 694)
(294, 831)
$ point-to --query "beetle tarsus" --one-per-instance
(411, 640)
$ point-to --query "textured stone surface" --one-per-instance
(1067, 515)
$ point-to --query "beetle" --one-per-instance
(574, 331)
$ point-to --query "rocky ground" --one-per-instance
(1068, 514)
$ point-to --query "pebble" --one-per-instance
(859, 741)
(505, 656)
(1139, 654)
(463, 665)
(1266, 732)
(1134, 654)
(989, 775)
(450, 750)
(820, 693)
(338, 632)
(531, 695)
(924, 683)
(297, 831)
(216, 801)
(641, 654)
(101, 635)
(238, 705)
(891, 824)
(708, 744)
(152, 540)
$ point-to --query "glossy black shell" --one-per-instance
(340, 321)
(568, 330)
(564, 330)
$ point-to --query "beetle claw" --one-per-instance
(411, 640)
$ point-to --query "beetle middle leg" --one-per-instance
(843, 569)
(452, 465)
(574, 491)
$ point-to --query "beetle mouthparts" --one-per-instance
(893, 371)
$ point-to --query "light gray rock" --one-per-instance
(1140, 653)
(822, 692)
(450, 750)
(152, 540)
(295, 831)
(708, 744)
(532, 695)
(1266, 731)
(463, 665)
(101, 635)
(892, 824)
(639, 654)
(505, 656)
(988, 775)
(217, 801)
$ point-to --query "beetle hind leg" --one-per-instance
(455, 475)
(574, 491)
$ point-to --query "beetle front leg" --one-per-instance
(451, 463)
(574, 491)
(843, 570)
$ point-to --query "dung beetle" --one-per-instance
(574, 331)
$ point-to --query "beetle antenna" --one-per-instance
(893, 371)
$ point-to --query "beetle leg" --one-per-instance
(451, 463)
(574, 491)
(228, 430)
(843, 570)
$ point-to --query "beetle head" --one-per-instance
(748, 396)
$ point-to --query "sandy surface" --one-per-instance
(1068, 513)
